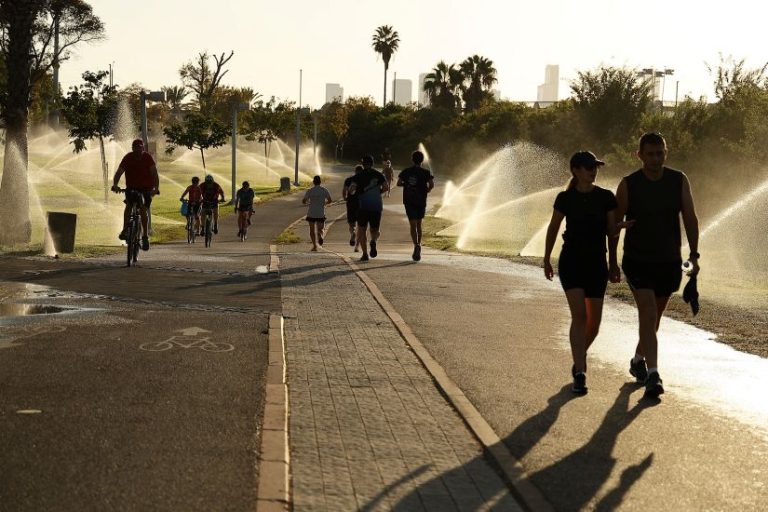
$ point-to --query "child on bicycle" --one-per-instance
(195, 201)
(244, 208)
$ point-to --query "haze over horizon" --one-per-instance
(331, 41)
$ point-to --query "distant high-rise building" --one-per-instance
(334, 92)
(422, 94)
(402, 91)
(548, 91)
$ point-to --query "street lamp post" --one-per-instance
(236, 107)
(298, 134)
(151, 96)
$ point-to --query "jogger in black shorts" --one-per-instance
(654, 198)
(589, 214)
(417, 182)
(368, 184)
(353, 204)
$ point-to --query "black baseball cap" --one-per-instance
(585, 159)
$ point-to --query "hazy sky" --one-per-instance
(148, 40)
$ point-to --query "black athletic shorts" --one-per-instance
(144, 197)
(662, 277)
(315, 219)
(352, 209)
(414, 212)
(364, 217)
(245, 208)
(194, 209)
(588, 273)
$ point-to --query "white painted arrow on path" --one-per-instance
(191, 331)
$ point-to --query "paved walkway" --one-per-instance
(369, 429)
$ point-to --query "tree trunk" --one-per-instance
(385, 85)
(202, 155)
(14, 188)
(104, 170)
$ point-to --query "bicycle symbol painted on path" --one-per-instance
(188, 339)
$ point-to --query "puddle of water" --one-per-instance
(30, 309)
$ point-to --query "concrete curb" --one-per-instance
(274, 490)
(274, 259)
(528, 495)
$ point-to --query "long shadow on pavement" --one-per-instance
(575, 479)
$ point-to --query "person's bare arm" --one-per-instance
(186, 191)
(345, 192)
(622, 199)
(116, 179)
(691, 223)
(552, 229)
(430, 184)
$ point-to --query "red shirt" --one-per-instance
(195, 194)
(138, 171)
(211, 191)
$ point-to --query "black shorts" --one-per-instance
(246, 208)
(194, 209)
(143, 197)
(364, 217)
(414, 212)
(662, 277)
(588, 273)
(315, 219)
(352, 209)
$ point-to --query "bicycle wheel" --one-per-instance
(136, 242)
(208, 232)
(130, 241)
(190, 235)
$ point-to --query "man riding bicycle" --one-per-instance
(141, 183)
(244, 207)
(211, 192)
(195, 201)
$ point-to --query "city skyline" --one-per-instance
(335, 46)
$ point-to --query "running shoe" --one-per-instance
(352, 241)
(580, 383)
(123, 235)
(144, 243)
(216, 229)
(373, 251)
(638, 370)
(653, 386)
(239, 233)
(249, 222)
(364, 257)
(320, 239)
(416, 253)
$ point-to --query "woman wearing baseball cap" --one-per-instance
(588, 211)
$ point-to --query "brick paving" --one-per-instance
(369, 430)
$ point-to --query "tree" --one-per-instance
(479, 76)
(611, 102)
(202, 79)
(91, 111)
(334, 118)
(197, 131)
(442, 85)
(385, 42)
(174, 98)
(265, 122)
(27, 30)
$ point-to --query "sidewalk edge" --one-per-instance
(274, 491)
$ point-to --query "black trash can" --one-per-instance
(61, 230)
(285, 184)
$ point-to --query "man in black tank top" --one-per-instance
(654, 197)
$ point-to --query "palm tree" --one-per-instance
(174, 97)
(479, 77)
(442, 85)
(385, 42)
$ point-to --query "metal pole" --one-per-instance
(298, 134)
(677, 88)
(111, 80)
(143, 97)
(55, 117)
(314, 138)
(234, 152)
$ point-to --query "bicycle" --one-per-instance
(191, 231)
(133, 240)
(208, 222)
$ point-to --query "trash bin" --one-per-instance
(61, 230)
(285, 184)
